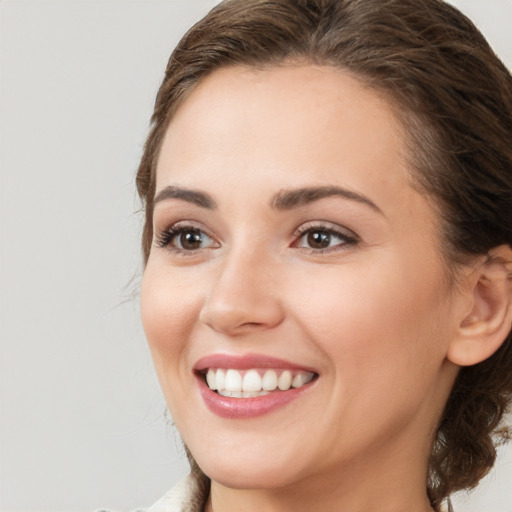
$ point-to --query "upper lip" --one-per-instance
(246, 362)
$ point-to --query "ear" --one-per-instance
(488, 319)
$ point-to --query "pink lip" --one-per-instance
(242, 408)
(246, 362)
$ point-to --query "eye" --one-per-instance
(322, 238)
(191, 240)
(184, 238)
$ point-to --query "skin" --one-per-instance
(375, 318)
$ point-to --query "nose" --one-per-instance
(244, 297)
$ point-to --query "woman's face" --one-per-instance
(289, 245)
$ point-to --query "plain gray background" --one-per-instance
(82, 420)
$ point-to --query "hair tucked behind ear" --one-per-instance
(453, 96)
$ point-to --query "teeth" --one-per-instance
(253, 382)
(242, 394)
(210, 379)
(219, 379)
(301, 378)
(269, 380)
(233, 381)
(284, 381)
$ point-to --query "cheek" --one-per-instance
(169, 311)
(383, 338)
(383, 312)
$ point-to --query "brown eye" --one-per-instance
(190, 240)
(318, 239)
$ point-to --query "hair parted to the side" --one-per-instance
(454, 98)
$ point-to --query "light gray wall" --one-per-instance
(82, 419)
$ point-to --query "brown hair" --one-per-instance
(454, 97)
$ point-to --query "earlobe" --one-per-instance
(483, 330)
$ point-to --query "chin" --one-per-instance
(260, 470)
(241, 476)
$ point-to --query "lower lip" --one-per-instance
(238, 408)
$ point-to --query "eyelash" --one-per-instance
(166, 237)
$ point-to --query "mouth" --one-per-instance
(255, 382)
(250, 385)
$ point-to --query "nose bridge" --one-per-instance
(244, 294)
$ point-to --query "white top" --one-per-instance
(185, 496)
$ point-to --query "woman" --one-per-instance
(328, 192)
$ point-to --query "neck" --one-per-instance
(253, 501)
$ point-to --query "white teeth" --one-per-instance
(210, 379)
(252, 394)
(242, 394)
(301, 378)
(269, 380)
(219, 379)
(233, 381)
(235, 394)
(284, 381)
(250, 383)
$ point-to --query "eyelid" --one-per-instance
(326, 226)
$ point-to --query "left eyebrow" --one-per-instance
(196, 197)
(293, 198)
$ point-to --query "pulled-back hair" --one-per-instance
(454, 98)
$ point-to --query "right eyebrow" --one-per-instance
(196, 197)
(293, 198)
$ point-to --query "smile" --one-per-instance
(254, 382)
(250, 385)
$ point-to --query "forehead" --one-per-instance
(300, 116)
(265, 129)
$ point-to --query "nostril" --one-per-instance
(237, 320)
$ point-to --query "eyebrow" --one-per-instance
(283, 200)
(196, 197)
(289, 199)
